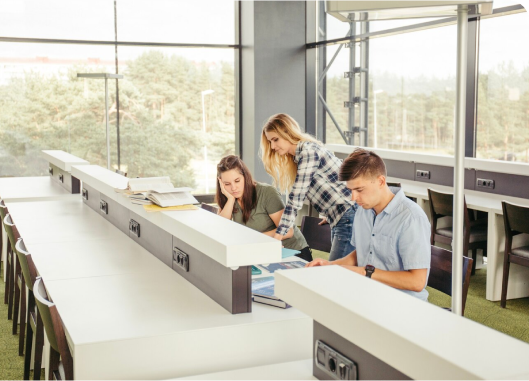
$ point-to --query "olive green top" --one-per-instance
(268, 202)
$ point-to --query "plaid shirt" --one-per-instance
(317, 180)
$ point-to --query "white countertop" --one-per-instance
(419, 339)
(63, 160)
(225, 241)
(21, 189)
(127, 315)
(294, 370)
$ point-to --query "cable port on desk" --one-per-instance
(335, 365)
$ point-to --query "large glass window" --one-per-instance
(172, 114)
(502, 131)
(411, 91)
(43, 105)
(177, 113)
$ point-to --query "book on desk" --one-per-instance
(156, 190)
(263, 292)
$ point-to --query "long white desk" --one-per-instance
(27, 189)
(127, 315)
(491, 204)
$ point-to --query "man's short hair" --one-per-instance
(362, 163)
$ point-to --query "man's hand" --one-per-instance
(318, 262)
(323, 221)
(279, 237)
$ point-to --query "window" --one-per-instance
(502, 130)
(176, 104)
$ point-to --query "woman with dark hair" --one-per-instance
(256, 205)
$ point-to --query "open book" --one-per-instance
(171, 197)
(147, 184)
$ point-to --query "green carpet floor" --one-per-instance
(513, 320)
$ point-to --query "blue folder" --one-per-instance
(288, 252)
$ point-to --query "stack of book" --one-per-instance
(263, 292)
(157, 190)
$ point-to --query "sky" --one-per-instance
(426, 53)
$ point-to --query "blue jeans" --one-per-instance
(341, 235)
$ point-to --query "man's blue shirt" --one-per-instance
(398, 239)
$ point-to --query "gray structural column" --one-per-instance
(272, 71)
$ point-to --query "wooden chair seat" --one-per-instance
(477, 233)
(521, 252)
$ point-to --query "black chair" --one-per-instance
(35, 327)
(3, 213)
(394, 185)
(317, 236)
(61, 361)
(13, 236)
(475, 230)
(441, 273)
(209, 208)
(516, 221)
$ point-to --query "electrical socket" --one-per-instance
(134, 228)
(103, 206)
(181, 259)
(422, 174)
(485, 183)
(333, 363)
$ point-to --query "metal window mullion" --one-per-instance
(472, 88)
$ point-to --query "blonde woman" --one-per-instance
(302, 167)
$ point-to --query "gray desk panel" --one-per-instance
(154, 239)
(93, 197)
(230, 288)
(118, 215)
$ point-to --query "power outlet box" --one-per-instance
(422, 174)
(103, 207)
(333, 363)
(134, 228)
(181, 259)
(485, 183)
(84, 193)
(61, 178)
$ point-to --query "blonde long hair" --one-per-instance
(282, 168)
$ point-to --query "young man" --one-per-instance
(391, 233)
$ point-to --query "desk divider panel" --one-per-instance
(91, 197)
(368, 367)
(115, 213)
(153, 238)
(64, 179)
(229, 288)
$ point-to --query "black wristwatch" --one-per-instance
(370, 269)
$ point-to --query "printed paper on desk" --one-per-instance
(156, 208)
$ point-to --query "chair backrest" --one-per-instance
(395, 185)
(50, 316)
(317, 236)
(441, 272)
(442, 204)
(516, 219)
(11, 230)
(209, 208)
(3, 210)
(26, 264)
